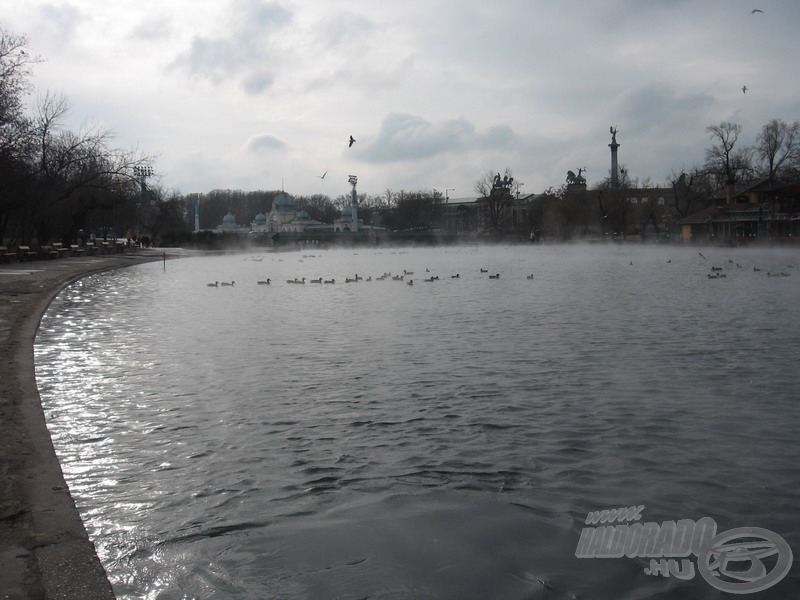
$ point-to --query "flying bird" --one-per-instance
(755, 10)
(744, 89)
(323, 175)
(352, 141)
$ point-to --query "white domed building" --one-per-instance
(229, 225)
(283, 218)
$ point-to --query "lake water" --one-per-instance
(442, 440)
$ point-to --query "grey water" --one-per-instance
(444, 439)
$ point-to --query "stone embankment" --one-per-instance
(44, 550)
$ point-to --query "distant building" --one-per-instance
(760, 211)
(284, 218)
(345, 222)
(229, 225)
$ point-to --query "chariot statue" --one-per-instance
(579, 179)
(503, 183)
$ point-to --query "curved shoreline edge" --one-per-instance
(45, 551)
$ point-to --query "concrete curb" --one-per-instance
(44, 549)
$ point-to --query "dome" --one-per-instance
(261, 219)
(283, 202)
(229, 219)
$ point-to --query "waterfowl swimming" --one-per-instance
(410, 282)
(430, 279)
(497, 276)
(267, 282)
(231, 284)
(330, 281)
(407, 272)
(317, 280)
(484, 270)
(348, 280)
(530, 276)
(215, 284)
(456, 276)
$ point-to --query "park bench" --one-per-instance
(25, 253)
(7, 255)
(49, 252)
(90, 248)
(75, 250)
(59, 247)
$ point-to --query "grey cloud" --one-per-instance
(408, 137)
(242, 49)
(264, 142)
(344, 29)
(61, 21)
(657, 105)
(255, 83)
(152, 28)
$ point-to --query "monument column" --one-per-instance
(614, 165)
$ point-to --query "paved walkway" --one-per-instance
(44, 550)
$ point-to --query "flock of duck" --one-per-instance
(396, 277)
(716, 272)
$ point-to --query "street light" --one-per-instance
(142, 173)
(446, 192)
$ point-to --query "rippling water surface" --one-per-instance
(441, 440)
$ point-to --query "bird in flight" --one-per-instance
(323, 175)
(755, 10)
(352, 141)
(744, 89)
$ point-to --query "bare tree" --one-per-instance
(719, 156)
(497, 193)
(79, 170)
(484, 184)
(778, 144)
(15, 71)
(15, 140)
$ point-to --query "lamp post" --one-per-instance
(141, 173)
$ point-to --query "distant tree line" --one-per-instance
(59, 184)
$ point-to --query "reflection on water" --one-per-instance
(445, 439)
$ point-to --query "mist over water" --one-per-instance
(440, 440)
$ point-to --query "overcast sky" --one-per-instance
(254, 94)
